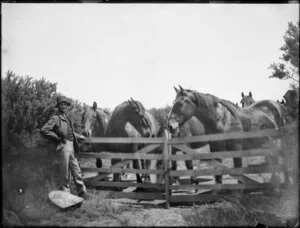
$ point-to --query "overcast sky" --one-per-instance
(111, 52)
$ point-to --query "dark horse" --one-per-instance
(220, 116)
(94, 121)
(130, 119)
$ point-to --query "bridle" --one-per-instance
(92, 123)
(181, 100)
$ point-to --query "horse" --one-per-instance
(191, 127)
(221, 116)
(94, 121)
(130, 119)
(247, 100)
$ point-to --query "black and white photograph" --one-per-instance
(150, 114)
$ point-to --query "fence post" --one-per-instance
(166, 161)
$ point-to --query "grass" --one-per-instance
(238, 209)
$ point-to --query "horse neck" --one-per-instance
(143, 114)
(193, 127)
(121, 115)
(208, 120)
(153, 125)
(100, 125)
(205, 113)
(210, 117)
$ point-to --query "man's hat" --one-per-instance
(64, 199)
(62, 99)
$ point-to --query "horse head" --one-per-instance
(184, 107)
(247, 100)
(141, 119)
(94, 121)
(130, 119)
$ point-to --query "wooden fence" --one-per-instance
(164, 191)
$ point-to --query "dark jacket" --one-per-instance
(56, 128)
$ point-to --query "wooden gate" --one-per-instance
(279, 164)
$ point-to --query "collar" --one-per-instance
(62, 116)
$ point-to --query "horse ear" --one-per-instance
(176, 90)
(95, 105)
(250, 94)
(181, 89)
(243, 94)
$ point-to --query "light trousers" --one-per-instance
(69, 164)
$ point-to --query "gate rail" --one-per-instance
(164, 191)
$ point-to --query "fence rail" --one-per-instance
(166, 144)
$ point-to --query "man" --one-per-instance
(60, 129)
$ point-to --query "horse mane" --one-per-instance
(140, 110)
(211, 101)
(230, 106)
(102, 115)
(202, 99)
(137, 106)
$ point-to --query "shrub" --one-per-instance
(160, 114)
(24, 101)
(27, 105)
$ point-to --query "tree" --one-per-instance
(288, 68)
(160, 114)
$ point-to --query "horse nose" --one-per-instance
(147, 133)
(172, 126)
(87, 133)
